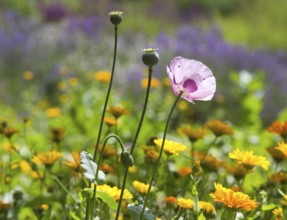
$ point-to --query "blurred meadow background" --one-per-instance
(55, 63)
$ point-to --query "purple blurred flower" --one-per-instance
(54, 12)
(193, 78)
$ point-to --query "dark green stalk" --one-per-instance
(160, 154)
(108, 94)
(98, 167)
(135, 139)
(104, 111)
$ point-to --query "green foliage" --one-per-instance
(90, 168)
(267, 18)
(135, 211)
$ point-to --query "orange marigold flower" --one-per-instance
(114, 192)
(151, 155)
(106, 168)
(231, 199)
(170, 147)
(103, 76)
(279, 128)
(153, 84)
(248, 159)
(184, 171)
(278, 213)
(219, 128)
(53, 112)
(185, 203)
(140, 187)
(117, 111)
(74, 162)
(171, 202)
(282, 147)
(110, 121)
(48, 158)
(192, 133)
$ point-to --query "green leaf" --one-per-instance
(90, 168)
(26, 213)
(135, 212)
(269, 207)
(107, 199)
(74, 216)
(83, 194)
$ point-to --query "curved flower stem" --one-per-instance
(108, 93)
(64, 188)
(98, 167)
(160, 154)
(150, 70)
(104, 112)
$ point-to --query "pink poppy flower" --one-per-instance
(193, 78)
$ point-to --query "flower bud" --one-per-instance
(127, 159)
(116, 17)
(150, 57)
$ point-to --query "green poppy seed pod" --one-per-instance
(150, 57)
(116, 17)
(127, 159)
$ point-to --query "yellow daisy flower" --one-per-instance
(282, 147)
(192, 133)
(114, 192)
(27, 169)
(48, 158)
(185, 203)
(117, 111)
(278, 213)
(207, 208)
(231, 199)
(140, 187)
(170, 147)
(248, 159)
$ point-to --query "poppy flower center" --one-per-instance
(189, 85)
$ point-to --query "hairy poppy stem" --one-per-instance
(135, 139)
(160, 154)
(108, 94)
(103, 115)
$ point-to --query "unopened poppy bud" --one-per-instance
(150, 57)
(116, 17)
(127, 159)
